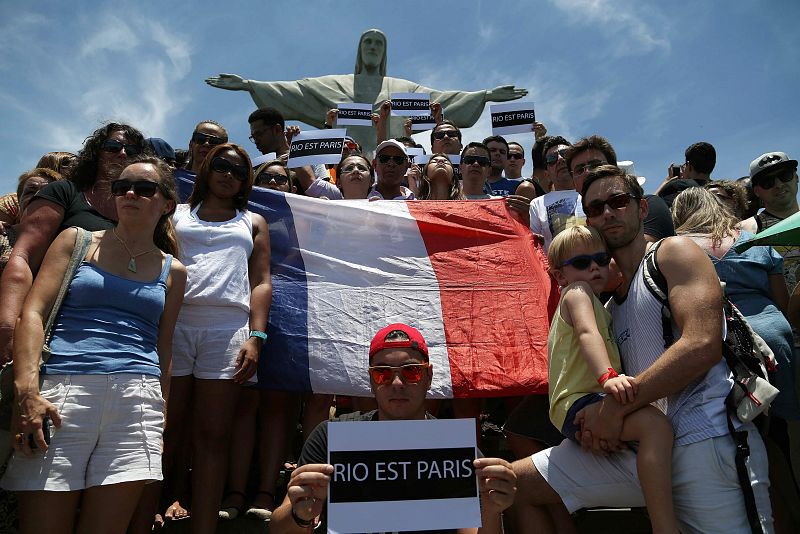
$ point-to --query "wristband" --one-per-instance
(259, 334)
(302, 523)
(611, 373)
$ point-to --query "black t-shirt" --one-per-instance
(77, 212)
(658, 222)
(674, 187)
(315, 451)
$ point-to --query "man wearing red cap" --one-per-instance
(400, 376)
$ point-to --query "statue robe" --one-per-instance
(309, 99)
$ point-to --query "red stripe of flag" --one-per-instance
(495, 292)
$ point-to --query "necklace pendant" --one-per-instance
(132, 265)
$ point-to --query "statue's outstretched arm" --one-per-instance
(504, 93)
(231, 82)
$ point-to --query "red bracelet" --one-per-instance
(611, 373)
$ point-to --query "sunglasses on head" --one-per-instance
(267, 177)
(202, 139)
(483, 161)
(222, 165)
(553, 156)
(584, 261)
(768, 182)
(410, 373)
(142, 188)
(398, 160)
(619, 201)
(583, 168)
(514, 155)
(441, 134)
(112, 145)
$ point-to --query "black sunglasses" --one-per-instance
(514, 155)
(584, 261)
(553, 156)
(222, 165)
(448, 133)
(586, 167)
(398, 160)
(112, 145)
(595, 208)
(483, 161)
(267, 177)
(201, 139)
(768, 182)
(142, 188)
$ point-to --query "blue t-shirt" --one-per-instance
(505, 186)
(108, 324)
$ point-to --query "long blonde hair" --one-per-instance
(696, 210)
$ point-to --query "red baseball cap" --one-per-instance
(415, 340)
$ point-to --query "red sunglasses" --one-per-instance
(410, 373)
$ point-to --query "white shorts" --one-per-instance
(705, 487)
(207, 341)
(111, 430)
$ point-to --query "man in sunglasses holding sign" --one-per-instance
(400, 375)
(688, 381)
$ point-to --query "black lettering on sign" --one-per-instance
(513, 118)
(314, 147)
(421, 105)
(413, 474)
(364, 114)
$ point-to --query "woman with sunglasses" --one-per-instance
(206, 135)
(82, 200)
(439, 181)
(274, 175)
(222, 324)
(102, 393)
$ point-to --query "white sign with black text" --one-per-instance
(402, 475)
(316, 147)
(351, 114)
(410, 104)
(512, 117)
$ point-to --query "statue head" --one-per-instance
(371, 52)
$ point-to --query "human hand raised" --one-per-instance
(330, 117)
(407, 127)
(231, 82)
(539, 130)
(436, 112)
(504, 93)
(291, 132)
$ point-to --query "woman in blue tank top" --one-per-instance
(100, 398)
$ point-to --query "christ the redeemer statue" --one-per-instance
(309, 99)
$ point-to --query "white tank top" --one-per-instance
(215, 255)
(698, 411)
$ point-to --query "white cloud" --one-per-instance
(625, 21)
(115, 35)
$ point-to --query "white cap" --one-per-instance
(628, 167)
(391, 142)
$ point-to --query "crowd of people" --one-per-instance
(147, 407)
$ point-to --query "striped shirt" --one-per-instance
(697, 412)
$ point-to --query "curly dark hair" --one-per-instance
(83, 172)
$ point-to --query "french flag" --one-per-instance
(467, 274)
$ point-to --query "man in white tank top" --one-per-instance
(688, 381)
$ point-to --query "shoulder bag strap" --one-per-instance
(82, 241)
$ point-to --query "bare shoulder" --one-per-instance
(680, 254)
(259, 222)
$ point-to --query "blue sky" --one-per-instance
(653, 77)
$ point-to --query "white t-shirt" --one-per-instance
(556, 211)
